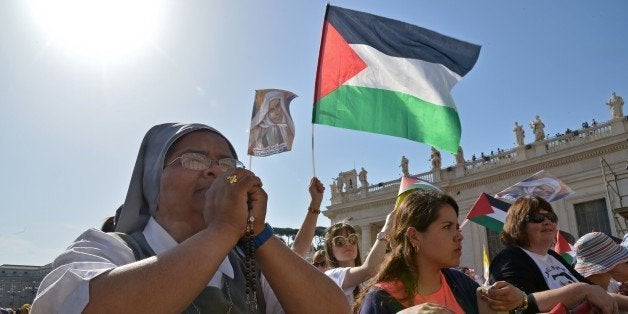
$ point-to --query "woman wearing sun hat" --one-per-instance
(599, 258)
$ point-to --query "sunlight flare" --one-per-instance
(105, 30)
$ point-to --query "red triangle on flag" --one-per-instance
(481, 207)
(561, 246)
(337, 62)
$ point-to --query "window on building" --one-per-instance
(592, 216)
(494, 245)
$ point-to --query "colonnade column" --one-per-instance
(366, 242)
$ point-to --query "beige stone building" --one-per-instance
(19, 284)
(592, 161)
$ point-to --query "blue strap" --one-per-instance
(263, 236)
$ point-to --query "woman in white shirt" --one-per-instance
(343, 256)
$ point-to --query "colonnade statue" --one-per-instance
(616, 103)
(538, 128)
(519, 134)
(404, 166)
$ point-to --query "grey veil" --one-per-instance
(141, 199)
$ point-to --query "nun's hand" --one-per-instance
(228, 200)
(257, 201)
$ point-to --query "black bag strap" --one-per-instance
(131, 243)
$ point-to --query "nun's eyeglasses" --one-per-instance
(196, 161)
(540, 217)
(341, 241)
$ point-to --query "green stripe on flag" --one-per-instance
(567, 257)
(391, 113)
(489, 223)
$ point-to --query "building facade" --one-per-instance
(19, 284)
(592, 161)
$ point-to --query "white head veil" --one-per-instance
(141, 199)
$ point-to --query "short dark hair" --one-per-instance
(108, 225)
(514, 227)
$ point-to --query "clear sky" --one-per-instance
(80, 85)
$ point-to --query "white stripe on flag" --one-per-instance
(431, 82)
(498, 214)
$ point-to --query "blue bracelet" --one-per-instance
(263, 236)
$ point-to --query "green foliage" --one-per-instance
(287, 235)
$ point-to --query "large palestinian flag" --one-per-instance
(384, 76)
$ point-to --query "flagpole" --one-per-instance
(313, 163)
(250, 162)
(463, 223)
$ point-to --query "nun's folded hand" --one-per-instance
(228, 200)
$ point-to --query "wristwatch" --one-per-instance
(383, 236)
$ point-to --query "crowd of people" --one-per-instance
(24, 309)
(192, 237)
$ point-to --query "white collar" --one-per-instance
(160, 241)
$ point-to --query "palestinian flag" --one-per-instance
(564, 247)
(408, 184)
(489, 212)
(388, 77)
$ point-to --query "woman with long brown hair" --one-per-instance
(426, 242)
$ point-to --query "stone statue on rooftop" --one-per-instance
(460, 156)
(538, 128)
(435, 158)
(616, 103)
(404, 166)
(519, 133)
(362, 177)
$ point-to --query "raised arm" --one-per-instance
(299, 287)
(303, 239)
(374, 259)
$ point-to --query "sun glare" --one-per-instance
(101, 29)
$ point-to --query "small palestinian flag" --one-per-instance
(489, 212)
(563, 247)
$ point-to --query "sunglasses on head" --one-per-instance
(540, 217)
(342, 241)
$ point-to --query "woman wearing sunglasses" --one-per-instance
(528, 263)
(343, 257)
(418, 275)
